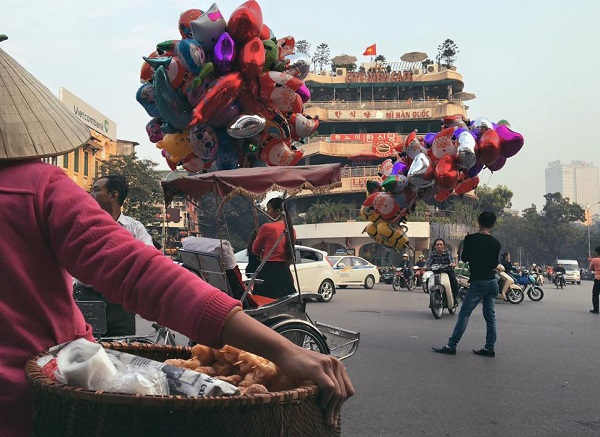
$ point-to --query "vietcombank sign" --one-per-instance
(88, 115)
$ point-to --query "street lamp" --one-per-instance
(589, 222)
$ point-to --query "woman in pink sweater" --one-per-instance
(52, 230)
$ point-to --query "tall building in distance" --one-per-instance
(579, 181)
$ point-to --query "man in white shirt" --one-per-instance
(110, 192)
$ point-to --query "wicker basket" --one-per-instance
(62, 410)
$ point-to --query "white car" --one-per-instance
(354, 270)
(314, 271)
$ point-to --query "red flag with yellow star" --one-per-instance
(371, 50)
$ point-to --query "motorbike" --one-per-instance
(418, 272)
(559, 280)
(539, 279)
(426, 274)
(440, 291)
(400, 280)
(530, 286)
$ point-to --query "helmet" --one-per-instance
(405, 255)
(533, 264)
(422, 256)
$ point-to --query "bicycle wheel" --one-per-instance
(304, 335)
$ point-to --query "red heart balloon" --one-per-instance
(446, 173)
(246, 22)
(221, 93)
(487, 148)
(251, 59)
(498, 163)
(469, 184)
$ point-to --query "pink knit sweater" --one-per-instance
(51, 229)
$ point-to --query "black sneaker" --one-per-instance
(484, 353)
(444, 350)
(594, 311)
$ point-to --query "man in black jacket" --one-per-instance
(481, 251)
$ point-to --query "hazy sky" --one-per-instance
(534, 63)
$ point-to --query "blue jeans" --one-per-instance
(486, 291)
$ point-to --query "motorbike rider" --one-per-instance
(509, 269)
(441, 256)
(421, 265)
(406, 267)
(559, 269)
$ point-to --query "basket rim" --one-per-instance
(40, 382)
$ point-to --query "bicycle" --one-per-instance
(161, 336)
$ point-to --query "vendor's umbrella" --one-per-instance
(464, 96)
(413, 57)
(33, 122)
(344, 60)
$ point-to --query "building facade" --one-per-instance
(579, 181)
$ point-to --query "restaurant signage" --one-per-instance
(399, 114)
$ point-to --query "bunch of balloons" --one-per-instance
(434, 167)
(227, 93)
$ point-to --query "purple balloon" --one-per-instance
(498, 163)
(304, 93)
(474, 171)
(428, 139)
(510, 141)
(223, 118)
(224, 54)
(399, 168)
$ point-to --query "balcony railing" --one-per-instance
(383, 104)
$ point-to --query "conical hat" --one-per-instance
(33, 122)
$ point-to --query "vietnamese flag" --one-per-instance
(371, 50)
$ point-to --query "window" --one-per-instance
(86, 162)
(76, 161)
(308, 256)
(66, 160)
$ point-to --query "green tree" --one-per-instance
(321, 56)
(380, 59)
(303, 46)
(145, 197)
(495, 199)
(447, 52)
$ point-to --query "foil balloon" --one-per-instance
(186, 17)
(276, 124)
(428, 139)
(251, 59)
(371, 230)
(395, 183)
(245, 22)
(298, 66)
(246, 126)
(204, 141)
(266, 33)
(446, 173)
(385, 204)
(374, 187)
(511, 142)
(224, 53)
(487, 149)
(443, 144)
(194, 89)
(167, 48)
(393, 235)
(176, 145)
(271, 55)
(192, 164)
(498, 164)
(172, 164)
(421, 171)
(173, 107)
(480, 125)
(442, 195)
(279, 152)
(147, 72)
(280, 89)
(228, 154)
(466, 150)
(208, 27)
(454, 120)
(302, 126)
(412, 145)
(286, 46)
(153, 130)
(222, 92)
(503, 122)
(468, 184)
(406, 198)
(399, 168)
(385, 169)
(175, 71)
(226, 116)
(304, 93)
(474, 171)
(191, 54)
(145, 97)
